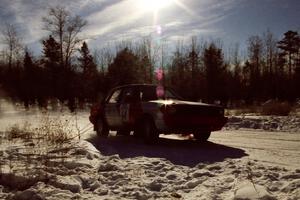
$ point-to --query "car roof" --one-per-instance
(134, 85)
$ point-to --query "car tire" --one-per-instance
(101, 128)
(150, 133)
(202, 136)
(123, 132)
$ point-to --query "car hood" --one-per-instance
(180, 102)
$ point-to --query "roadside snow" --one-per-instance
(264, 123)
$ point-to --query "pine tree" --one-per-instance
(53, 69)
(124, 69)
(89, 74)
(290, 53)
(290, 45)
(28, 80)
(86, 60)
(194, 82)
(215, 72)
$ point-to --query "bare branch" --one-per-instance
(65, 28)
(12, 40)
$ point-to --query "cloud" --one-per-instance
(111, 20)
(129, 22)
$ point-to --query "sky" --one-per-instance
(231, 21)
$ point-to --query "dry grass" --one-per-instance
(276, 108)
(271, 107)
(36, 157)
(49, 129)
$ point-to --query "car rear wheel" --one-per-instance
(150, 132)
(202, 136)
(101, 128)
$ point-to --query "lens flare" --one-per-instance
(159, 74)
(160, 92)
(152, 5)
(158, 30)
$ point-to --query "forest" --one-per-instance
(67, 71)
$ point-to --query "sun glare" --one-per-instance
(154, 5)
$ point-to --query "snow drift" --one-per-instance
(77, 170)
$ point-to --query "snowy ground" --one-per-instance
(234, 164)
(264, 123)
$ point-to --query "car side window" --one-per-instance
(115, 97)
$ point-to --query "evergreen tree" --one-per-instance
(124, 69)
(196, 80)
(290, 56)
(215, 74)
(86, 60)
(89, 74)
(53, 69)
(51, 51)
(28, 85)
(290, 47)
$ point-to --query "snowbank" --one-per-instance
(76, 170)
(266, 123)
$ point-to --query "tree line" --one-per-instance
(68, 72)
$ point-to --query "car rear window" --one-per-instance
(154, 93)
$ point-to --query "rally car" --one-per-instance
(150, 110)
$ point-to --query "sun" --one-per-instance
(154, 5)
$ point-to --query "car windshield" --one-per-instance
(158, 92)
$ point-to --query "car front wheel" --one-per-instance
(101, 128)
(202, 136)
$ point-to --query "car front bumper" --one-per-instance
(189, 123)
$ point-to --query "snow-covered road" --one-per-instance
(272, 148)
(275, 148)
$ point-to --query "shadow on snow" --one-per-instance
(179, 152)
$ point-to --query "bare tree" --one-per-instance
(149, 54)
(11, 38)
(104, 57)
(163, 60)
(270, 51)
(144, 52)
(194, 56)
(147, 44)
(65, 28)
(255, 50)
